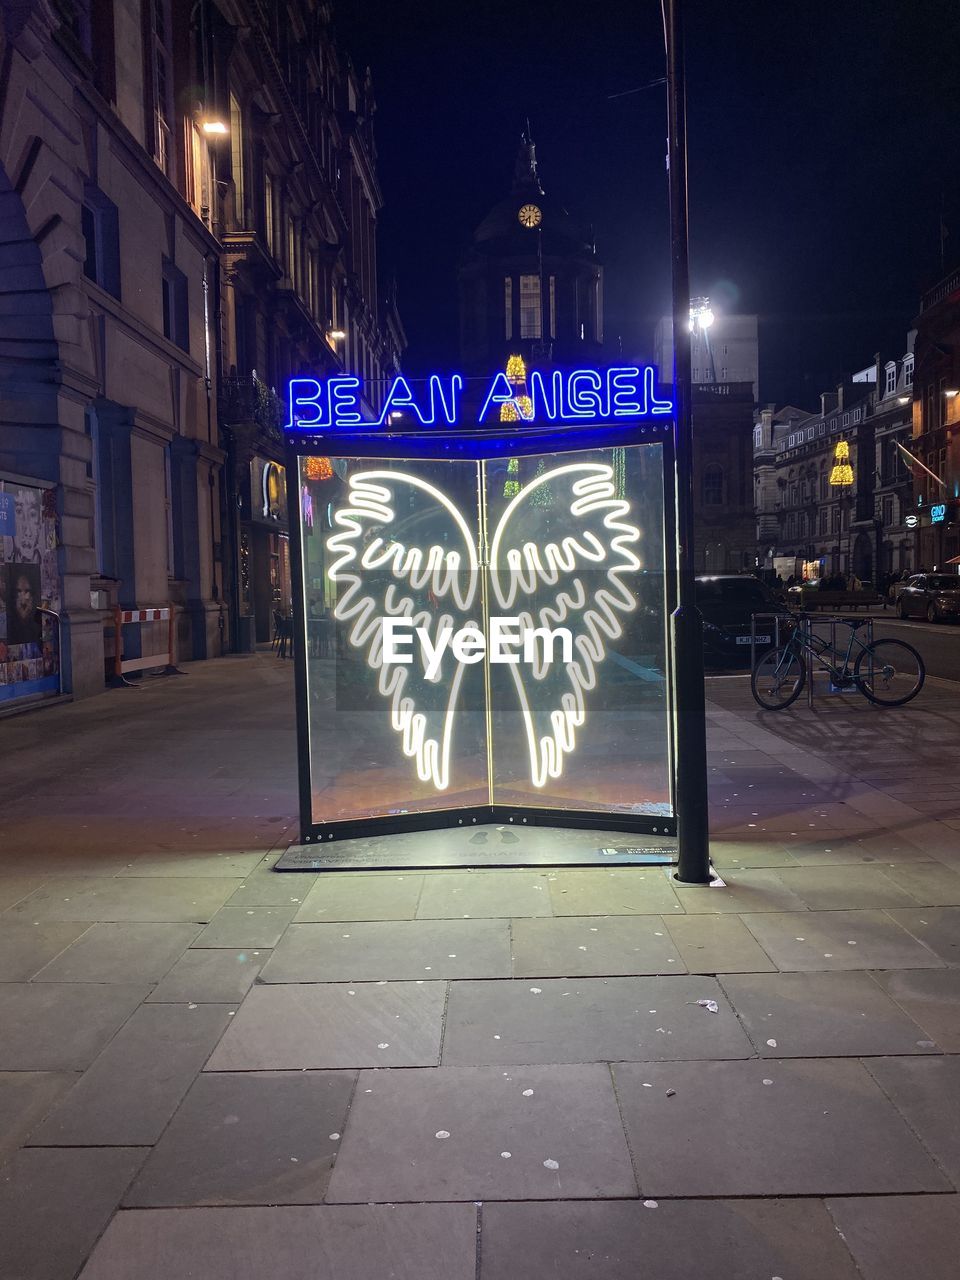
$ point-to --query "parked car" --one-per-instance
(727, 602)
(934, 596)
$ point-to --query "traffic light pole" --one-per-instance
(690, 735)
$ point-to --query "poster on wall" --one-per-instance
(29, 581)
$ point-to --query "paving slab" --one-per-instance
(589, 1020)
(217, 863)
(845, 888)
(483, 1133)
(839, 940)
(895, 1236)
(25, 946)
(742, 855)
(252, 1138)
(115, 899)
(936, 927)
(25, 1098)
(61, 1026)
(128, 1095)
(586, 946)
(612, 891)
(210, 977)
(121, 953)
(825, 1015)
(484, 894)
(717, 944)
(54, 1205)
(750, 890)
(927, 1093)
(820, 1127)
(666, 1240)
(14, 888)
(246, 927)
(932, 998)
(323, 1026)
(929, 883)
(345, 1242)
(343, 895)
(267, 888)
(391, 950)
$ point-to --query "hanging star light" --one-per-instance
(842, 474)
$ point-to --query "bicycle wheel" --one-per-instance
(778, 679)
(889, 672)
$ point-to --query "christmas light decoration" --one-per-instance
(512, 485)
(842, 473)
(516, 370)
(318, 468)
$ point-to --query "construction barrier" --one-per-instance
(164, 658)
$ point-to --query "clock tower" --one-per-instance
(530, 282)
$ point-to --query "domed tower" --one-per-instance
(530, 282)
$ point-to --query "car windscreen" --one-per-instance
(743, 594)
(943, 582)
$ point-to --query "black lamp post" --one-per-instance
(690, 734)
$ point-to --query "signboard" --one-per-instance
(572, 396)
(938, 512)
(911, 521)
(8, 516)
(490, 636)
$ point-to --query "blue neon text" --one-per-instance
(568, 395)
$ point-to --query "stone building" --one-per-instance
(725, 534)
(805, 524)
(296, 206)
(936, 423)
(188, 205)
(109, 454)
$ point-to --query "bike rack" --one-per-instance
(807, 622)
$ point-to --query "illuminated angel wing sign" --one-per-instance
(579, 581)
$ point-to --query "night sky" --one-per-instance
(823, 138)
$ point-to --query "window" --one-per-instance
(908, 371)
(757, 437)
(793, 439)
(723, 373)
(236, 159)
(168, 508)
(508, 307)
(161, 34)
(553, 306)
(530, 320)
(887, 512)
(846, 419)
(176, 324)
(856, 415)
(890, 384)
(291, 251)
(199, 192)
(809, 433)
(100, 225)
(269, 228)
(820, 429)
(712, 485)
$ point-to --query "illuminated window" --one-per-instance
(713, 485)
(291, 251)
(530, 318)
(236, 157)
(160, 38)
(508, 306)
(199, 193)
(269, 229)
(553, 306)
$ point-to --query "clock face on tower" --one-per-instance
(530, 216)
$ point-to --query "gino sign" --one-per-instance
(570, 396)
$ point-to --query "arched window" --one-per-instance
(713, 485)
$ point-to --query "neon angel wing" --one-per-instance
(580, 581)
(383, 570)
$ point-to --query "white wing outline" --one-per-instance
(519, 570)
(371, 501)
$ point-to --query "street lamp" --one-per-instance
(841, 479)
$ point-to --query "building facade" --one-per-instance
(188, 206)
(936, 424)
(809, 526)
(723, 348)
(725, 534)
(109, 454)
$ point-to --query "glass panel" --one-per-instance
(576, 541)
(392, 539)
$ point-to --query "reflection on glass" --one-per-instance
(527, 594)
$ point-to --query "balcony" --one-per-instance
(245, 399)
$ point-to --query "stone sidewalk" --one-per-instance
(211, 1070)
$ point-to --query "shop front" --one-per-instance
(30, 591)
(481, 608)
(265, 575)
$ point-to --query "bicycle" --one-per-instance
(887, 672)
